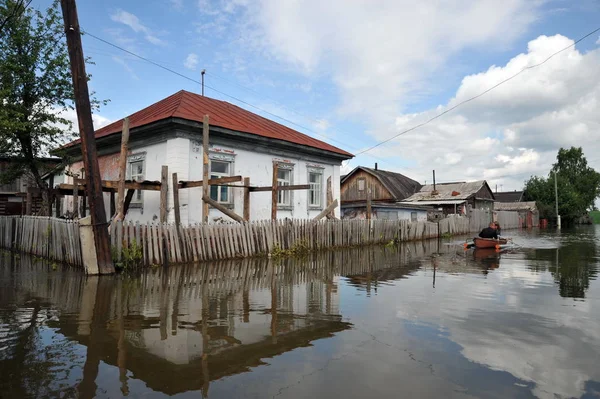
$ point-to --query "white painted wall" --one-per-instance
(259, 167)
(184, 157)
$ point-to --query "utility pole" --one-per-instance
(556, 201)
(88, 142)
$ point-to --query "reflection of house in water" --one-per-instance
(180, 328)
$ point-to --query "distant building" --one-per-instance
(13, 193)
(386, 189)
(529, 215)
(455, 198)
(509, 196)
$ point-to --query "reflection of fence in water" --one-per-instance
(65, 286)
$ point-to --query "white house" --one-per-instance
(169, 132)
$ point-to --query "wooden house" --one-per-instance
(13, 194)
(385, 190)
(455, 198)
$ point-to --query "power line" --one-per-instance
(208, 87)
(478, 95)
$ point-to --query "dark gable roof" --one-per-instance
(397, 184)
(509, 196)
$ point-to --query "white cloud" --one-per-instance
(378, 56)
(191, 61)
(134, 23)
(515, 130)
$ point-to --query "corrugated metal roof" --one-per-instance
(442, 202)
(509, 196)
(389, 205)
(397, 184)
(448, 191)
(193, 107)
(515, 206)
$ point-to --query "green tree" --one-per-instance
(578, 187)
(35, 88)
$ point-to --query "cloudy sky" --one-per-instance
(354, 73)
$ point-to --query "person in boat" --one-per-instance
(498, 229)
(489, 232)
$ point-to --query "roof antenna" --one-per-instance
(202, 73)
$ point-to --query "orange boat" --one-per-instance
(488, 242)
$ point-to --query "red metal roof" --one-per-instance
(190, 106)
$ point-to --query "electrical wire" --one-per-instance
(208, 87)
(478, 95)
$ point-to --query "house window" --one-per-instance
(413, 216)
(220, 168)
(135, 172)
(361, 184)
(315, 193)
(284, 178)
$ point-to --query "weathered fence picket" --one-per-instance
(58, 239)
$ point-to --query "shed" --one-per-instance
(456, 197)
(528, 213)
(385, 186)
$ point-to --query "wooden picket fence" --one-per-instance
(46, 237)
(59, 239)
(161, 243)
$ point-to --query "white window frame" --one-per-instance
(319, 184)
(285, 198)
(225, 158)
(138, 196)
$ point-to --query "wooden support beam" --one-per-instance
(122, 171)
(220, 181)
(280, 188)
(330, 215)
(111, 186)
(50, 193)
(75, 199)
(113, 206)
(127, 201)
(327, 210)
(163, 193)
(246, 198)
(58, 206)
(369, 210)
(209, 201)
(176, 201)
(205, 166)
(28, 206)
(274, 192)
(83, 212)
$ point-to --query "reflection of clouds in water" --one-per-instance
(515, 321)
(532, 348)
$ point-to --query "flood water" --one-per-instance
(423, 320)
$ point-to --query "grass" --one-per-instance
(595, 215)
